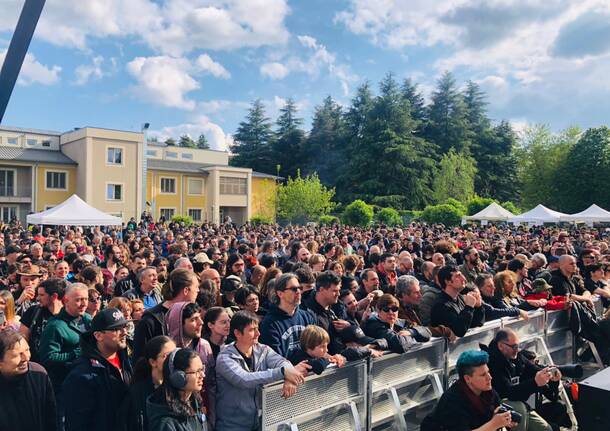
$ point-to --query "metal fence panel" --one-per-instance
(526, 329)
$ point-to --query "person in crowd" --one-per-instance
(137, 262)
(147, 376)
(459, 312)
(28, 279)
(370, 283)
(538, 263)
(94, 303)
(61, 270)
(242, 367)
(147, 288)
(594, 282)
(137, 309)
(282, 326)
(495, 309)
(565, 281)
(247, 299)
(216, 328)
(182, 286)
(27, 400)
(229, 286)
(471, 402)
(177, 404)
(94, 389)
(409, 296)
(7, 306)
(184, 326)
(507, 296)
(470, 267)
(386, 270)
(313, 349)
(430, 295)
(516, 378)
(35, 319)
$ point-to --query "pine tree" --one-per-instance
(289, 140)
(187, 142)
(171, 142)
(411, 93)
(202, 142)
(252, 141)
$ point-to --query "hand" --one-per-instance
(337, 359)
(27, 294)
(340, 325)
(501, 420)
(288, 390)
(295, 374)
(542, 377)
(477, 295)
(542, 302)
(589, 302)
(524, 314)
(376, 353)
(556, 375)
(470, 300)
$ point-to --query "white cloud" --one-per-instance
(201, 124)
(85, 72)
(34, 72)
(163, 80)
(219, 105)
(205, 63)
(274, 70)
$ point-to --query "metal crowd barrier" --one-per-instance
(397, 391)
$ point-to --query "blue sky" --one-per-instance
(194, 66)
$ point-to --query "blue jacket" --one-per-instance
(237, 400)
(281, 332)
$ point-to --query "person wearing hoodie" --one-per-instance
(176, 404)
(95, 388)
(285, 321)
(147, 376)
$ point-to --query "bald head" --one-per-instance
(567, 265)
(258, 272)
(211, 274)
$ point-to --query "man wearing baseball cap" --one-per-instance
(96, 386)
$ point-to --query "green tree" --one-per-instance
(202, 142)
(443, 213)
(388, 216)
(411, 93)
(455, 177)
(326, 141)
(171, 142)
(477, 203)
(457, 204)
(447, 125)
(304, 199)
(289, 139)
(583, 177)
(253, 140)
(511, 207)
(358, 213)
(187, 142)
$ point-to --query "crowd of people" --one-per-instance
(161, 326)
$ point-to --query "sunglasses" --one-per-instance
(393, 308)
(294, 289)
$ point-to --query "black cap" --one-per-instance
(12, 249)
(107, 319)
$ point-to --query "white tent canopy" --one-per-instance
(493, 212)
(538, 215)
(593, 214)
(74, 212)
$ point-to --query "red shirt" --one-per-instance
(115, 361)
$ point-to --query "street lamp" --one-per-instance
(144, 129)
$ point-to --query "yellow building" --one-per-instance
(106, 168)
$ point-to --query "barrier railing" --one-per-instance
(396, 391)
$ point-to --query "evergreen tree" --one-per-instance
(289, 140)
(325, 142)
(411, 93)
(187, 142)
(253, 140)
(447, 125)
(171, 142)
(476, 107)
(455, 178)
(202, 142)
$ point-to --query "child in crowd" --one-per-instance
(313, 349)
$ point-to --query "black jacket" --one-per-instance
(128, 283)
(375, 328)
(161, 418)
(151, 325)
(133, 415)
(27, 402)
(514, 379)
(563, 285)
(94, 390)
(456, 315)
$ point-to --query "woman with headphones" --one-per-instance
(176, 404)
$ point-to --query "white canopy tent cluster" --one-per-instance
(540, 215)
(74, 212)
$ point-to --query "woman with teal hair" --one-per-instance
(470, 403)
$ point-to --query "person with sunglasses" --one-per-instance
(515, 379)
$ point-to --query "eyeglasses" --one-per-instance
(393, 309)
(294, 289)
(199, 371)
(512, 346)
(95, 299)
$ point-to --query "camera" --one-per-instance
(514, 416)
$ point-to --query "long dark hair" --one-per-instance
(181, 361)
(143, 370)
(211, 316)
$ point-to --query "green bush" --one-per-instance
(457, 204)
(397, 202)
(443, 213)
(511, 207)
(388, 216)
(187, 220)
(328, 220)
(358, 213)
(260, 219)
(477, 203)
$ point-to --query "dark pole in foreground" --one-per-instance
(18, 49)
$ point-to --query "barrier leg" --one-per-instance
(598, 359)
(399, 417)
(562, 391)
(437, 385)
(355, 416)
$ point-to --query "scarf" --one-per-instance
(482, 404)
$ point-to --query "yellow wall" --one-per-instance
(263, 197)
(181, 201)
(46, 198)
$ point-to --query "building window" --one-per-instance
(56, 180)
(167, 213)
(152, 153)
(7, 182)
(232, 186)
(32, 142)
(12, 141)
(168, 185)
(187, 156)
(115, 156)
(46, 143)
(114, 192)
(195, 186)
(171, 154)
(195, 214)
(8, 214)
